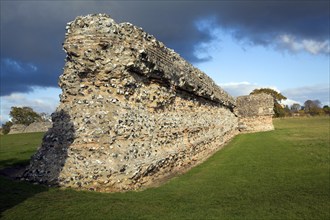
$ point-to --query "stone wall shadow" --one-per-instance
(45, 165)
(14, 192)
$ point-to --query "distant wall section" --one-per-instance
(255, 113)
(33, 127)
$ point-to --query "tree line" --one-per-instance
(310, 107)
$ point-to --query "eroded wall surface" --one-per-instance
(255, 112)
(132, 112)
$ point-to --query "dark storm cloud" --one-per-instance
(253, 22)
(21, 77)
(259, 19)
(32, 31)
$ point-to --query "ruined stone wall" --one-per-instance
(17, 129)
(132, 111)
(255, 112)
(33, 127)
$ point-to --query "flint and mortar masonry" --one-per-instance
(132, 112)
(255, 112)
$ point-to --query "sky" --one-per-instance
(241, 45)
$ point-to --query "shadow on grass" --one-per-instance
(14, 192)
(12, 162)
(47, 163)
(44, 166)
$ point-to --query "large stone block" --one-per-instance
(255, 112)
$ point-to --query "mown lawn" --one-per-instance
(16, 149)
(282, 174)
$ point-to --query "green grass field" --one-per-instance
(282, 174)
(16, 149)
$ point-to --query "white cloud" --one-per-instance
(242, 88)
(298, 95)
(290, 102)
(296, 45)
(319, 92)
(40, 100)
